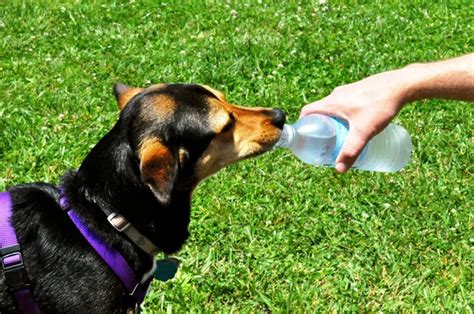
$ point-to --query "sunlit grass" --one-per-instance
(268, 234)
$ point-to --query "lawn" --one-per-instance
(270, 233)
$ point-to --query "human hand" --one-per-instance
(367, 105)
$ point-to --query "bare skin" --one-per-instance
(370, 104)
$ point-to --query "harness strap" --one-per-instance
(110, 256)
(13, 268)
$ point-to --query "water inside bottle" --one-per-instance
(312, 146)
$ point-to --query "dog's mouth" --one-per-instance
(262, 146)
(271, 144)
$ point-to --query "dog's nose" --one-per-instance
(278, 117)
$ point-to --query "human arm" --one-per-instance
(370, 104)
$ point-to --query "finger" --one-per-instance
(322, 107)
(353, 146)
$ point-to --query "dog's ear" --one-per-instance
(124, 93)
(158, 167)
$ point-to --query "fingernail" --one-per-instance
(341, 167)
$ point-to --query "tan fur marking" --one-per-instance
(218, 115)
(216, 93)
(154, 159)
(125, 97)
(219, 154)
(158, 167)
(164, 105)
(253, 133)
(128, 94)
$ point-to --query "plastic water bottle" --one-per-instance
(317, 140)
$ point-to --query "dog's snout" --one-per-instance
(278, 117)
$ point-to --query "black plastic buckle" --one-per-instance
(15, 274)
(9, 249)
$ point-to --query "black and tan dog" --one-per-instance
(168, 138)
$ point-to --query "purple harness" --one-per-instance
(136, 289)
(15, 272)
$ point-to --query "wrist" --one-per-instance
(414, 79)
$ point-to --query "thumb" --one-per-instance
(321, 106)
(353, 146)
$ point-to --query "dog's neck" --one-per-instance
(109, 179)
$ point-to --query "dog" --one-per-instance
(168, 138)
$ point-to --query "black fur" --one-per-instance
(66, 274)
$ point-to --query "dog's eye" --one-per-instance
(229, 124)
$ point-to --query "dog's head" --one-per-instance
(182, 134)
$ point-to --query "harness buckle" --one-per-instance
(14, 271)
(118, 222)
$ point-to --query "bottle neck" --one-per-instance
(287, 136)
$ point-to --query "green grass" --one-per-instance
(267, 234)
